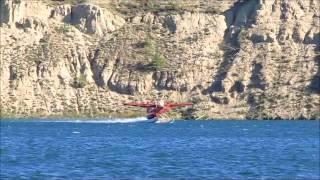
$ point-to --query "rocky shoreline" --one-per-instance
(88, 117)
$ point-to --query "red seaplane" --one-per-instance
(155, 110)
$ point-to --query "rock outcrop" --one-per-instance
(234, 59)
(87, 18)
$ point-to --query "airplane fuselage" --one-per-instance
(154, 111)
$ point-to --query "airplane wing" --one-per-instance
(137, 104)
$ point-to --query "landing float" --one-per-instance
(155, 110)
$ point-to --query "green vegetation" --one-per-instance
(73, 114)
(63, 29)
(134, 6)
(158, 61)
(80, 82)
(7, 115)
(151, 4)
(59, 2)
(177, 5)
(144, 5)
(150, 45)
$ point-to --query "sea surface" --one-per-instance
(131, 149)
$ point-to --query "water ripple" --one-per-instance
(184, 149)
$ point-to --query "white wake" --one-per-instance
(106, 121)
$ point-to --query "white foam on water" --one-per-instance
(106, 121)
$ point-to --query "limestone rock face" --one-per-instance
(61, 13)
(87, 18)
(183, 25)
(232, 59)
(13, 11)
(34, 24)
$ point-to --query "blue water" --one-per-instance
(183, 149)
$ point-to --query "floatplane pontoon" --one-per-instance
(155, 110)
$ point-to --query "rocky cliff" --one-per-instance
(232, 59)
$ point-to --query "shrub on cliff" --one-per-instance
(80, 82)
(158, 61)
(150, 45)
(59, 2)
(63, 28)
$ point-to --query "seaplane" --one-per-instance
(157, 109)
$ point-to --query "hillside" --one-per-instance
(232, 59)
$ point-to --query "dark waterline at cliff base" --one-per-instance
(184, 149)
